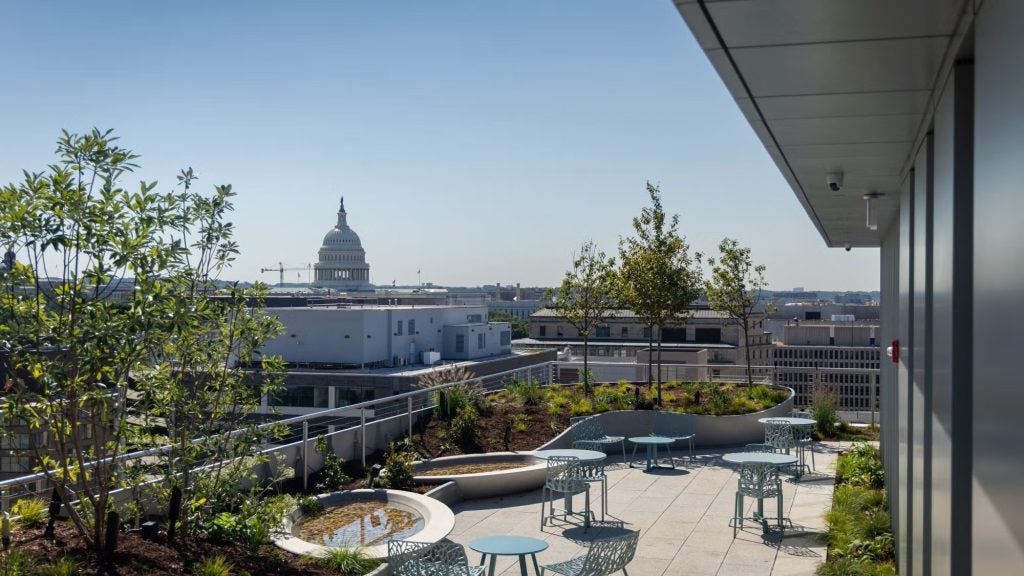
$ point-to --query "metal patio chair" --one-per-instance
(604, 557)
(564, 477)
(589, 434)
(676, 426)
(757, 480)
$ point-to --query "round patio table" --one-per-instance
(760, 458)
(651, 443)
(509, 546)
(585, 456)
(792, 421)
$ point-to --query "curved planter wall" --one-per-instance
(438, 519)
(487, 484)
(712, 431)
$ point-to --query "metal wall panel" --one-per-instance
(998, 404)
(904, 397)
(889, 259)
(921, 371)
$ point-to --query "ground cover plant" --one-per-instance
(859, 532)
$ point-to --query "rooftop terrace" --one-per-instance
(683, 518)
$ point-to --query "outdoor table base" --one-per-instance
(509, 546)
(651, 444)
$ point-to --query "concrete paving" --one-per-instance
(683, 518)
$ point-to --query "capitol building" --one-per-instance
(342, 261)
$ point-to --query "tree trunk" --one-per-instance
(586, 365)
(659, 365)
(650, 357)
(746, 345)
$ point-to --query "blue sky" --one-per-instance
(479, 142)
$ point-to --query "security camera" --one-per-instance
(835, 181)
(848, 247)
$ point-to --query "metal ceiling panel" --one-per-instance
(873, 66)
(859, 104)
(847, 130)
(774, 22)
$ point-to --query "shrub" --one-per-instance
(348, 561)
(398, 464)
(310, 505)
(31, 512)
(526, 392)
(252, 524)
(332, 476)
(462, 428)
(824, 409)
(214, 566)
(448, 402)
(519, 422)
(861, 466)
(63, 567)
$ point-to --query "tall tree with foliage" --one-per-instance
(586, 297)
(735, 289)
(104, 316)
(658, 277)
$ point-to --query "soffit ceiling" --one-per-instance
(832, 85)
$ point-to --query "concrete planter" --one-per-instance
(438, 519)
(487, 484)
(712, 431)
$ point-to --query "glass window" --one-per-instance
(604, 332)
(460, 343)
(398, 331)
(543, 331)
(412, 327)
(481, 341)
(506, 337)
(301, 397)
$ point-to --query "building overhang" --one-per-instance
(835, 86)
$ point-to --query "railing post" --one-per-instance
(305, 455)
(874, 395)
(362, 433)
(410, 419)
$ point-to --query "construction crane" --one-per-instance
(281, 270)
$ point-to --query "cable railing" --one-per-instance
(359, 429)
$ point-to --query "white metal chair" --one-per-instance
(564, 477)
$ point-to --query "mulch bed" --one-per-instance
(136, 556)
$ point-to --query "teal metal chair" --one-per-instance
(779, 434)
(565, 478)
(676, 426)
(759, 448)
(447, 559)
(588, 434)
(799, 414)
(804, 444)
(757, 480)
(405, 556)
(604, 557)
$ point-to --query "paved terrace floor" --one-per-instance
(683, 518)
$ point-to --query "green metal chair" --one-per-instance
(588, 434)
(564, 477)
(779, 434)
(757, 480)
(604, 557)
(676, 426)
(759, 448)
(804, 444)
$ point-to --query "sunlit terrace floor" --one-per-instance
(683, 518)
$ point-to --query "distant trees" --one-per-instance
(658, 277)
(586, 297)
(735, 288)
(520, 328)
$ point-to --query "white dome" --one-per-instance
(342, 261)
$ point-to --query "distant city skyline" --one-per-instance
(474, 143)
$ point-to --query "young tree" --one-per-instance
(735, 288)
(586, 297)
(106, 295)
(658, 277)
